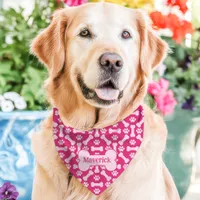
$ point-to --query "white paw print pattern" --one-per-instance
(139, 130)
(121, 148)
(55, 124)
(125, 166)
(62, 155)
(103, 130)
(114, 137)
(116, 125)
(108, 148)
(60, 142)
(96, 178)
(79, 137)
(114, 173)
(126, 130)
(96, 142)
(86, 148)
(55, 136)
(68, 166)
(86, 184)
(72, 148)
(77, 160)
(132, 142)
(96, 191)
(67, 130)
(79, 173)
(107, 184)
(132, 155)
(132, 119)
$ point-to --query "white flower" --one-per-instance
(20, 103)
(161, 69)
(1, 99)
(7, 106)
(11, 96)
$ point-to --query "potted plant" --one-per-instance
(182, 70)
(22, 99)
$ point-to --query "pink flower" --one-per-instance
(155, 88)
(166, 102)
(163, 97)
(73, 2)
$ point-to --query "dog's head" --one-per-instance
(97, 52)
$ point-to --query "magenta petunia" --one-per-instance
(73, 2)
(8, 192)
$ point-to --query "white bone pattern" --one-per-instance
(69, 138)
(88, 139)
(108, 142)
(96, 148)
(126, 124)
(100, 184)
(114, 130)
(108, 178)
(70, 157)
(131, 148)
(126, 137)
(123, 157)
(90, 173)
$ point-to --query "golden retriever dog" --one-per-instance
(107, 45)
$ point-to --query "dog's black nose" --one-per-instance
(111, 62)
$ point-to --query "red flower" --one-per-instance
(158, 19)
(182, 4)
(179, 27)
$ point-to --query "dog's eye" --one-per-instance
(85, 33)
(126, 35)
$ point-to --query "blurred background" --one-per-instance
(174, 91)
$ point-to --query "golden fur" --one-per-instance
(65, 55)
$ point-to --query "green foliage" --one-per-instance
(183, 72)
(19, 70)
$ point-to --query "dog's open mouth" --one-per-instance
(108, 91)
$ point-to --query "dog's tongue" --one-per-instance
(107, 93)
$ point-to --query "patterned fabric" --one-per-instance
(98, 157)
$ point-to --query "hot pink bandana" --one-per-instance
(98, 157)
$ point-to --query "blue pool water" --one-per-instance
(16, 159)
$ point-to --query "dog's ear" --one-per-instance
(49, 45)
(153, 49)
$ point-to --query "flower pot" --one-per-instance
(16, 159)
(179, 155)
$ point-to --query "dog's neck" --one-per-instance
(81, 115)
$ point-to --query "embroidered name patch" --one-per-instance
(98, 157)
